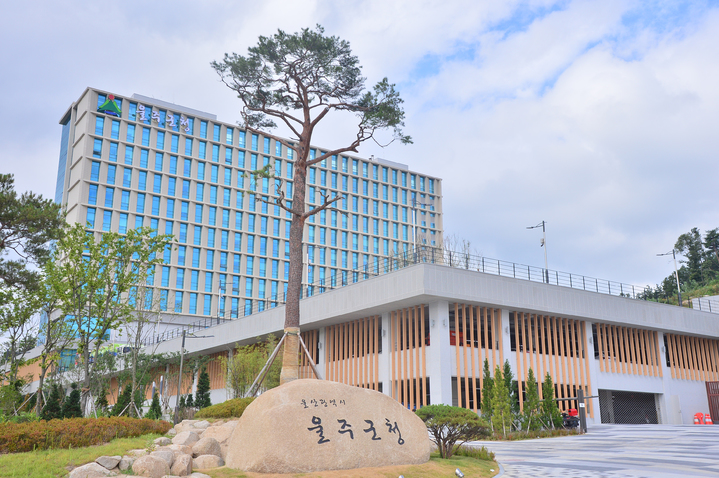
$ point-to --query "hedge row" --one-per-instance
(74, 432)
(229, 409)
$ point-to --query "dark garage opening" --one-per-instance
(627, 407)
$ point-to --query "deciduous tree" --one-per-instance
(298, 80)
(92, 279)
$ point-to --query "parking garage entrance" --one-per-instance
(628, 407)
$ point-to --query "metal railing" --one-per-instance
(422, 255)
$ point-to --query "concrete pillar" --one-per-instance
(439, 354)
(507, 344)
(322, 341)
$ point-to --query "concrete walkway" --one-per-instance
(615, 451)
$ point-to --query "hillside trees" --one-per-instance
(297, 80)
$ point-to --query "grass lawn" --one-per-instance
(433, 468)
(53, 463)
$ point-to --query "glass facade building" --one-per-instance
(128, 162)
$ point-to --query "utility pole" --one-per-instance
(544, 245)
(673, 252)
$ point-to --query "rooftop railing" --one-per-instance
(422, 255)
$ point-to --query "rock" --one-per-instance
(205, 462)
(206, 446)
(108, 462)
(151, 466)
(202, 424)
(91, 470)
(217, 423)
(125, 463)
(221, 433)
(199, 475)
(162, 441)
(186, 438)
(166, 454)
(182, 466)
(181, 450)
(308, 425)
(171, 432)
(137, 453)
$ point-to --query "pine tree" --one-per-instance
(531, 405)
(155, 411)
(202, 396)
(122, 401)
(487, 392)
(501, 408)
(52, 408)
(549, 409)
(71, 406)
(189, 402)
(511, 385)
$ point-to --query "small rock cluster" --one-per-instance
(195, 445)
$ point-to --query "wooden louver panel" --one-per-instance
(554, 346)
(693, 358)
(352, 352)
(628, 350)
(477, 336)
(408, 356)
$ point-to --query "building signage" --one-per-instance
(110, 107)
(154, 115)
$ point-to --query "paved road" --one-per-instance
(615, 451)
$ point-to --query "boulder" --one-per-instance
(205, 462)
(137, 452)
(199, 475)
(162, 441)
(206, 446)
(171, 432)
(91, 470)
(181, 450)
(166, 454)
(221, 433)
(125, 463)
(202, 424)
(108, 462)
(308, 425)
(182, 466)
(151, 467)
(186, 438)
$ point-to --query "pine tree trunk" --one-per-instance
(290, 356)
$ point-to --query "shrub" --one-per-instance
(52, 408)
(479, 453)
(450, 426)
(73, 432)
(202, 396)
(229, 409)
(155, 411)
(71, 406)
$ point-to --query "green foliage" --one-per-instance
(101, 401)
(202, 396)
(487, 391)
(501, 406)
(71, 405)
(476, 452)
(530, 420)
(21, 417)
(92, 278)
(512, 387)
(229, 409)
(29, 223)
(189, 403)
(155, 411)
(53, 408)
(247, 362)
(11, 397)
(121, 406)
(73, 432)
(549, 411)
(449, 426)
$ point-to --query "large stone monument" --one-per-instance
(314, 425)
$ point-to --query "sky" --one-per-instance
(599, 117)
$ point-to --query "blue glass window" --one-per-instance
(160, 140)
(92, 195)
(99, 125)
(188, 146)
(95, 171)
(109, 196)
(125, 200)
(140, 207)
(174, 143)
(129, 152)
(97, 148)
(107, 221)
(90, 218)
